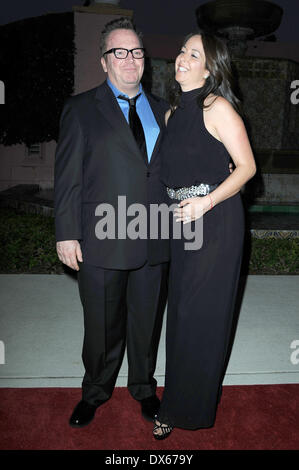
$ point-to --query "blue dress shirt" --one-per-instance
(145, 113)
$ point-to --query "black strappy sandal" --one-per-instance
(165, 428)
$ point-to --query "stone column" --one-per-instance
(237, 39)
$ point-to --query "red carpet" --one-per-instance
(255, 417)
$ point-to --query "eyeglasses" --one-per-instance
(120, 53)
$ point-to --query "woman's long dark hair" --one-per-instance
(220, 81)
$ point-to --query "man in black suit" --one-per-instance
(122, 281)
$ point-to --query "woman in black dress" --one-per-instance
(204, 131)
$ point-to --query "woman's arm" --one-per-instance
(230, 130)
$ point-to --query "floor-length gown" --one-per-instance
(203, 283)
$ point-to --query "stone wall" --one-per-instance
(266, 88)
(17, 167)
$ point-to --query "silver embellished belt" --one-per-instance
(192, 191)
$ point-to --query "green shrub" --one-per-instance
(274, 256)
(29, 243)
(29, 247)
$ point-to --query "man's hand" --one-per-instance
(69, 252)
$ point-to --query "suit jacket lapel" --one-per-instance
(108, 107)
(110, 110)
(161, 123)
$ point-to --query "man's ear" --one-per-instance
(103, 62)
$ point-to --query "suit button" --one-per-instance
(148, 174)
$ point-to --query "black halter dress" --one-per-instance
(203, 283)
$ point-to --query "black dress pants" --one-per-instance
(121, 308)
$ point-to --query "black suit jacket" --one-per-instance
(98, 160)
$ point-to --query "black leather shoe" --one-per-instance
(150, 407)
(82, 415)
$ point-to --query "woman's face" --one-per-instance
(190, 69)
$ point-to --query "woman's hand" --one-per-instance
(192, 208)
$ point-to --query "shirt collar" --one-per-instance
(116, 92)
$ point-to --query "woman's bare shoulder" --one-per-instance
(217, 103)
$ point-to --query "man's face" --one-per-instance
(125, 74)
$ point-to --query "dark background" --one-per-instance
(151, 16)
